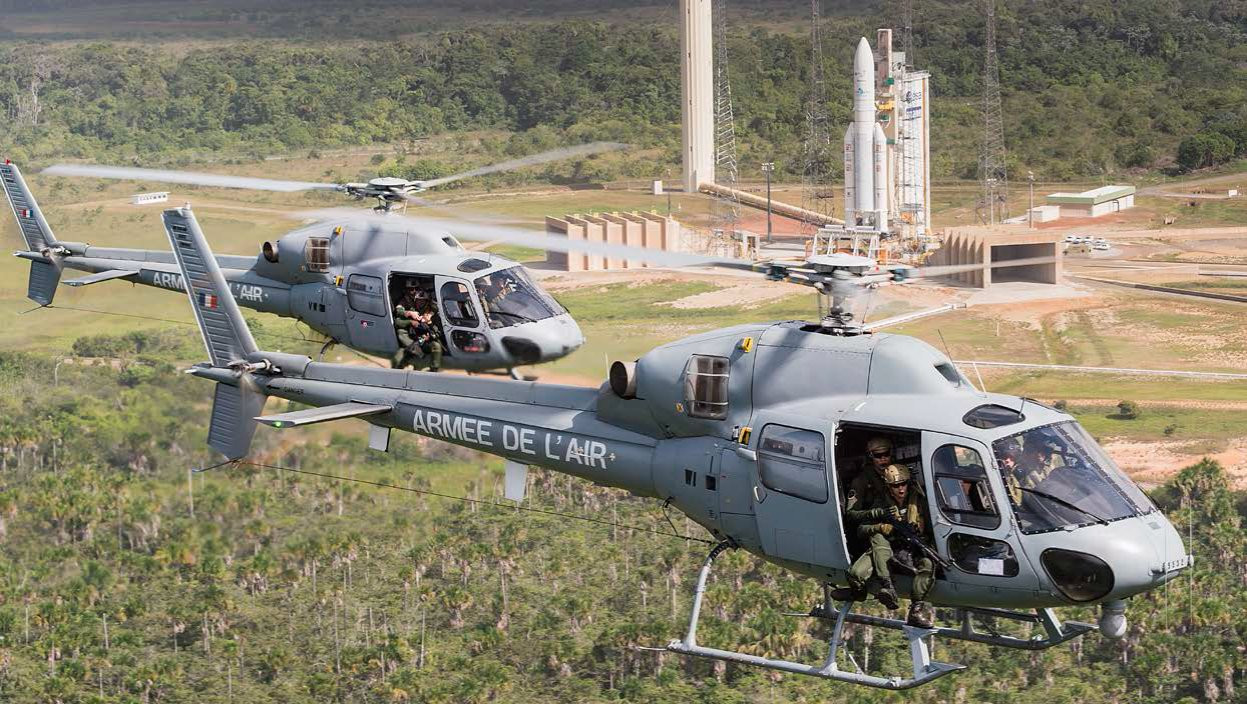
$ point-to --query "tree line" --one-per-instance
(1090, 89)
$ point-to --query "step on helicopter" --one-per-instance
(341, 277)
(752, 432)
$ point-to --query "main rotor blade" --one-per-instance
(189, 177)
(533, 160)
(487, 232)
(945, 270)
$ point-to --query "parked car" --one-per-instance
(1100, 244)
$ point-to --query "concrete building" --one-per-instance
(982, 251)
(1094, 203)
(696, 93)
(645, 230)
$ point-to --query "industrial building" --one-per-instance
(1094, 203)
(984, 251)
(645, 230)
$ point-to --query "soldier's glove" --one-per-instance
(877, 513)
(894, 513)
(881, 528)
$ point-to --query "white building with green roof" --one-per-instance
(1094, 203)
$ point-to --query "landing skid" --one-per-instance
(1055, 631)
(924, 670)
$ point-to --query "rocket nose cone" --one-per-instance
(863, 57)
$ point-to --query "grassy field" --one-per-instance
(623, 321)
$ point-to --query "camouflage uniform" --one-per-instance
(870, 502)
(416, 340)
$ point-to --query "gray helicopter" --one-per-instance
(342, 276)
(751, 432)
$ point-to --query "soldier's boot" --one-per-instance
(887, 594)
(921, 614)
(435, 355)
(853, 592)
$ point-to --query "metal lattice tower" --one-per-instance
(995, 180)
(907, 31)
(816, 193)
(725, 211)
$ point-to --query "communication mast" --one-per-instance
(816, 193)
(995, 180)
(725, 209)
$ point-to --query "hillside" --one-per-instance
(1091, 90)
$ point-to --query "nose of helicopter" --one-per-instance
(544, 341)
(1115, 561)
(564, 339)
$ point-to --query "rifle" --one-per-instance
(905, 532)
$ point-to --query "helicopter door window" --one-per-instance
(978, 555)
(316, 254)
(457, 304)
(794, 462)
(366, 294)
(961, 488)
(705, 386)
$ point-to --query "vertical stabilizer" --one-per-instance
(224, 331)
(44, 275)
(30, 220)
(225, 334)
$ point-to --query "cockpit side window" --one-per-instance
(316, 254)
(705, 386)
(794, 462)
(961, 487)
(457, 303)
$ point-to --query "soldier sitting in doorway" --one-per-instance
(880, 516)
(418, 339)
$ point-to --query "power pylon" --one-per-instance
(816, 193)
(725, 210)
(995, 179)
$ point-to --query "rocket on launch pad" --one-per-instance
(865, 150)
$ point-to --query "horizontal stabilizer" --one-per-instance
(100, 276)
(338, 411)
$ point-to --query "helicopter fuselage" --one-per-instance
(746, 429)
(346, 287)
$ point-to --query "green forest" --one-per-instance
(126, 578)
(1090, 89)
(326, 572)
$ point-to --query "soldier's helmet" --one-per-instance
(895, 474)
(874, 445)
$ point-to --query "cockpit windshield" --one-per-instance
(1057, 476)
(511, 298)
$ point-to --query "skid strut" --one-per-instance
(1055, 631)
(924, 670)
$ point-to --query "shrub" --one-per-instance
(1128, 410)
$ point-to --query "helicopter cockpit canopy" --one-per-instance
(1057, 477)
(509, 298)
